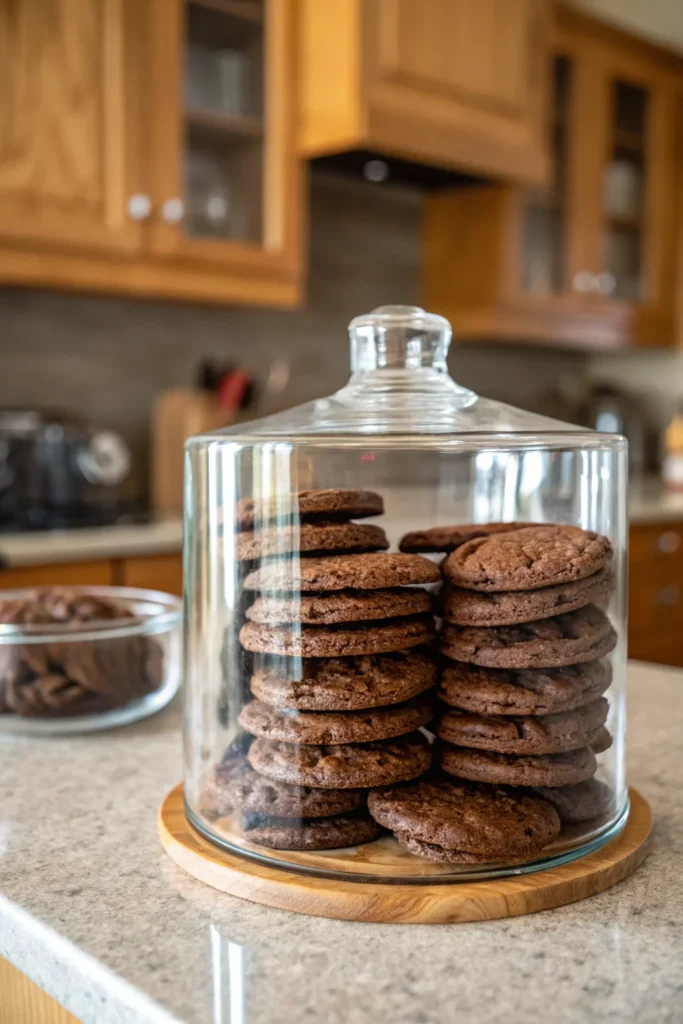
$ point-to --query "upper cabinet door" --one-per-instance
(458, 84)
(221, 150)
(67, 135)
(467, 76)
(636, 257)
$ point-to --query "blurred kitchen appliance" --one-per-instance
(611, 410)
(58, 470)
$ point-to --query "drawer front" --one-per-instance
(655, 628)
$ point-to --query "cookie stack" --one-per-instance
(338, 631)
(524, 634)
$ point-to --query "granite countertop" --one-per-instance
(93, 542)
(93, 910)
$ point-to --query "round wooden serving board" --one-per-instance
(398, 902)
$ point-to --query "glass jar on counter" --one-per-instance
(405, 644)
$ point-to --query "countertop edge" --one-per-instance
(87, 989)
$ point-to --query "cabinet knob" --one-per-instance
(139, 206)
(668, 542)
(173, 210)
(583, 281)
(606, 283)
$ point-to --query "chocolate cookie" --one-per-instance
(583, 635)
(340, 606)
(310, 537)
(498, 691)
(314, 834)
(518, 770)
(347, 766)
(538, 556)
(530, 734)
(333, 503)
(336, 726)
(345, 684)
(336, 641)
(431, 851)
(602, 741)
(581, 802)
(238, 786)
(474, 608)
(466, 817)
(448, 538)
(371, 571)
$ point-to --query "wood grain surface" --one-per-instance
(23, 1002)
(423, 903)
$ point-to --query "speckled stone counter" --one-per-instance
(92, 910)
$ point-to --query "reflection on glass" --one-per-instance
(228, 964)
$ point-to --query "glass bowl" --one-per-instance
(92, 672)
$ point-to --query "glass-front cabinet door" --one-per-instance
(636, 257)
(222, 145)
(544, 269)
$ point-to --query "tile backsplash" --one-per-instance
(108, 358)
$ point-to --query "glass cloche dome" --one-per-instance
(404, 626)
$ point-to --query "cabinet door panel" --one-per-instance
(224, 172)
(66, 159)
(473, 66)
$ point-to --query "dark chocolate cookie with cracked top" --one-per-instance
(330, 503)
(346, 766)
(528, 734)
(340, 606)
(337, 641)
(535, 691)
(538, 556)
(236, 786)
(583, 635)
(467, 817)
(371, 571)
(476, 608)
(336, 726)
(447, 538)
(518, 769)
(322, 537)
(585, 800)
(314, 834)
(345, 684)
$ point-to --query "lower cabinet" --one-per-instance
(655, 605)
(149, 572)
(153, 572)
(23, 1002)
(58, 573)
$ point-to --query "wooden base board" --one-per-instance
(406, 903)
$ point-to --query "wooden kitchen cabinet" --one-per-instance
(148, 148)
(68, 154)
(655, 607)
(98, 573)
(455, 83)
(152, 572)
(591, 259)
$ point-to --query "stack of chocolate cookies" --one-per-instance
(524, 634)
(339, 633)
